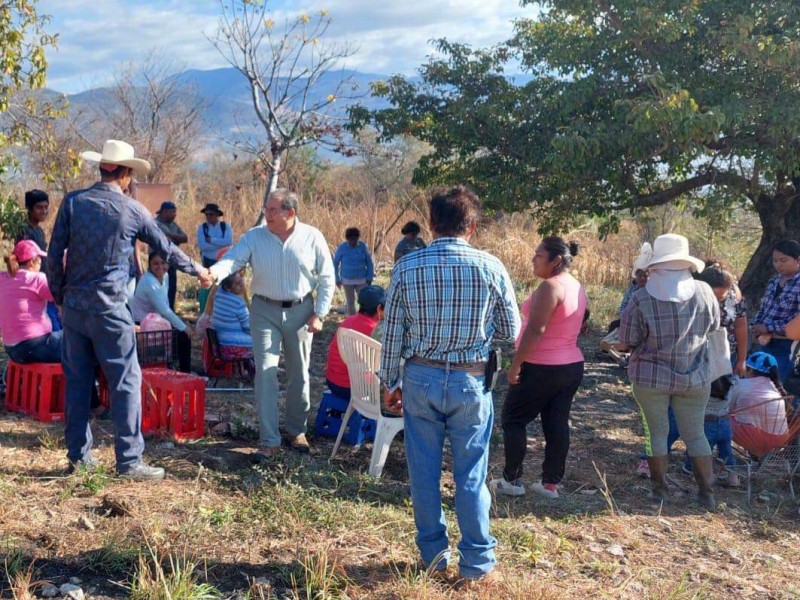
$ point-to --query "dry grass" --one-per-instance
(306, 528)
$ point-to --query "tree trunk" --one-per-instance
(272, 183)
(780, 220)
(274, 171)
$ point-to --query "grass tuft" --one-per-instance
(175, 581)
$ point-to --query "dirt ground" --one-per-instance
(306, 528)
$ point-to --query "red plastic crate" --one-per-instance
(173, 403)
(36, 389)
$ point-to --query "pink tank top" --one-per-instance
(559, 342)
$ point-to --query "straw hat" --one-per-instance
(120, 153)
(673, 248)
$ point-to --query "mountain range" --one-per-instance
(228, 103)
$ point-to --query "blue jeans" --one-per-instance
(719, 434)
(43, 349)
(440, 403)
(107, 339)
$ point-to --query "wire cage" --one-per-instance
(156, 348)
(767, 433)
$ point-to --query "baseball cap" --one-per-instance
(371, 297)
(168, 205)
(761, 362)
(26, 250)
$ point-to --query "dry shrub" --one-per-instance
(339, 198)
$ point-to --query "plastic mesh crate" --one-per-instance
(156, 348)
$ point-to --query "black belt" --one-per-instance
(473, 368)
(282, 303)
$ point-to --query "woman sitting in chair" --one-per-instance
(370, 311)
(759, 400)
(231, 321)
(151, 297)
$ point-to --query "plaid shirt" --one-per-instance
(779, 305)
(668, 339)
(446, 302)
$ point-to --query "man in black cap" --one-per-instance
(213, 234)
(165, 219)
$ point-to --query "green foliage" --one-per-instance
(629, 105)
(23, 43)
(176, 580)
(12, 221)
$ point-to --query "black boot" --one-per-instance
(704, 475)
(658, 476)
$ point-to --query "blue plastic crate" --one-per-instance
(329, 421)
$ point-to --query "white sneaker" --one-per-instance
(506, 488)
(548, 490)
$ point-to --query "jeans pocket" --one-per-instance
(477, 403)
(415, 396)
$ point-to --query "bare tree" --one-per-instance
(157, 112)
(283, 68)
(386, 169)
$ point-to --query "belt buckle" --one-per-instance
(287, 304)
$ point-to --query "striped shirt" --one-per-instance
(231, 319)
(779, 305)
(669, 339)
(284, 270)
(446, 303)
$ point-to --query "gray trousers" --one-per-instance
(109, 340)
(273, 328)
(350, 294)
(689, 408)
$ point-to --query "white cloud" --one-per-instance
(95, 35)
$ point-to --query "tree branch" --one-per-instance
(711, 176)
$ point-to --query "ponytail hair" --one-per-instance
(775, 379)
(556, 246)
(12, 264)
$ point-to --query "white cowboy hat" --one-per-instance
(674, 248)
(640, 262)
(116, 152)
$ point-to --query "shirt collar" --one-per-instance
(441, 241)
(108, 185)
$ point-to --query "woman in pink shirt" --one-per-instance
(546, 371)
(27, 331)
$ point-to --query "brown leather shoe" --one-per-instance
(486, 582)
(299, 443)
(266, 454)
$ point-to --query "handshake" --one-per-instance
(205, 278)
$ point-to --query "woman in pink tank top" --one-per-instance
(547, 369)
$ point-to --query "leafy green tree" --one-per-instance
(23, 66)
(622, 106)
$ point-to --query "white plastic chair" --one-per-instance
(362, 355)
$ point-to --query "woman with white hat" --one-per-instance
(666, 326)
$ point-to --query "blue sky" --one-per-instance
(392, 35)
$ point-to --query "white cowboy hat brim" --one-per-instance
(139, 165)
(695, 264)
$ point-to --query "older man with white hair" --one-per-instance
(290, 261)
(98, 227)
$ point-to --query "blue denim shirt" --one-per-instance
(353, 263)
(99, 227)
